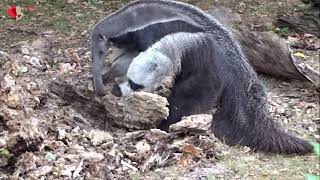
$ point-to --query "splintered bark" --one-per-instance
(266, 52)
(270, 54)
(140, 111)
(194, 124)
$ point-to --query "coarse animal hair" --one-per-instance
(213, 70)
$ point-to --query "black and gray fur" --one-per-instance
(210, 69)
(120, 58)
(135, 26)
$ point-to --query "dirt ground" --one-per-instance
(44, 137)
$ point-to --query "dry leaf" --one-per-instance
(188, 153)
(300, 55)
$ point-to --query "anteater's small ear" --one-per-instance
(116, 90)
(134, 86)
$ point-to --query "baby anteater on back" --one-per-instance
(209, 67)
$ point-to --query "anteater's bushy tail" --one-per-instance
(243, 120)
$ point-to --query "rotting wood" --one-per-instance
(142, 110)
(265, 51)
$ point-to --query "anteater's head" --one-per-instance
(145, 73)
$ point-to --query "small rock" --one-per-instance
(50, 156)
(311, 129)
(143, 147)
(2, 142)
(25, 50)
(7, 83)
(192, 124)
(98, 137)
(22, 69)
(92, 156)
(72, 1)
(76, 131)
(265, 173)
(66, 68)
(4, 55)
(68, 169)
(4, 153)
(293, 40)
(12, 100)
(84, 33)
(61, 133)
(35, 62)
(31, 127)
(26, 57)
(41, 45)
(42, 171)
(31, 86)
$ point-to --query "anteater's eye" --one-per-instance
(153, 66)
(100, 37)
(135, 86)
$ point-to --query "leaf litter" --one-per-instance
(43, 137)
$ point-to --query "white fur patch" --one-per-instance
(125, 89)
(149, 69)
(163, 59)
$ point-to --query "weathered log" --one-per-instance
(306, 22)
(140, 111)
(194, 124)
(265, 51)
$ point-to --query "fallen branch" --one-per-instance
(267, 52)
(140, 111)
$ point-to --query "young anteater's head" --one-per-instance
(146, 73)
